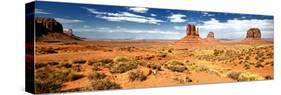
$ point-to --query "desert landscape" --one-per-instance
(65, 62)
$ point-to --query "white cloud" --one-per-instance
(124, 16)
(236, 28)
(208, 14)
(66, 21)
(139, 9)
(177, 18)
(153, 15)
(40, 11)
(119, 29)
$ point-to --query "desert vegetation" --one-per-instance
(108, 65)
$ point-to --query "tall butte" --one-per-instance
(253, 35)
(192, 35)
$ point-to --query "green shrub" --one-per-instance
(123, 67)
(104, 85)
(96, 76)
(175, 66)
(247, 76)
(137, 75)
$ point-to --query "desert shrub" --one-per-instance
(77, 68)
(154, 66)
(247, 66)
(259, 65)
(136, 75)
(217, 52)
(59, 75)
(234, 75)
(163, 55)
(40, 65)
(104, 84)
(50, 80)
(47, 50)
(96, 76)
(103, 62)
(53, 63)
(47, 86)
(79, 61)
(247, 58)
(174, 62)
(66, 65)
(123, 67)
(247, 76)
(268, 77)
(175, 66)
(121, 59)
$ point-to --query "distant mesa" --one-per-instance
(48, 29)
(211, 38)
(192, 35)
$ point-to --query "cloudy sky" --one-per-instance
(122, 22)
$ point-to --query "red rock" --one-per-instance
(192, 35)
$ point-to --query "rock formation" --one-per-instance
(48, 29)
(211, 37)
(68, 32)
(45, 25)
(253, 34)
(192, 35)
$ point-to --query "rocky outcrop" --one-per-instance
(211, 38)
(192, 35)
(253, 34)
(48, 29)
(45, 25)
(68, 32)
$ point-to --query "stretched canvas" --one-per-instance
(88, 47)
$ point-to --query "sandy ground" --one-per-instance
(203, 65)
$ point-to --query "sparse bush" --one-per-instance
(121, 59)
(104, 85)
(40, 65)
(175, 66)
(96, 76)
(47, 50)
(154, 66)
(66, 65)
(137, 75)
(247, 58)
(247, 66)
(79, 61)
(217, 52)
(259, 65)
(123, 67)
(77, 68)
(268, 77)
(50, 80)
(47, 86)
(234, 75)
(53, 63)
(247, 76)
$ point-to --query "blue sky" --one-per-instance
(123, 22)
